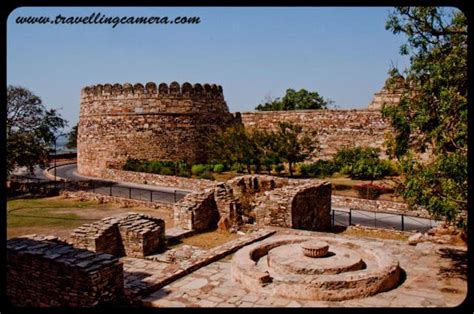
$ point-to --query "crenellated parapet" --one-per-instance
(103, 99)
(151, 89)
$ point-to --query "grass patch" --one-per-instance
(60, 216)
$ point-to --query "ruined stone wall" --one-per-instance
(130, 234)
(305, 206)
(147, 122)
(121, 201)
(43, 271)
(275, 201)
(334, 128)
(197, 211)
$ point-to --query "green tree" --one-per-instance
(72, 138)
(362, 163)
(292, 144)
(234, 145)
(295, 100)
(432, 113)
(266, 145)
(31, 129)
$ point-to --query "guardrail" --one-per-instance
(26, 184)
(138, 193)
(383, 220)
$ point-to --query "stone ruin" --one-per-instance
(271, 201)
(45, 271)
(315, 268)
(130, 234)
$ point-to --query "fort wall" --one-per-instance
(333, 128)
(148, 122)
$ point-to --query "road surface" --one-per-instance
(382, 220)
(137, 191)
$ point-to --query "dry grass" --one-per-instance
(59, 216)
(209, 239)
(376, 233)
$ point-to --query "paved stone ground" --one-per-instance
(143, 276)
(435, 277)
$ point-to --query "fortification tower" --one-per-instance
(172, 123)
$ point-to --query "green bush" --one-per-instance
(350, 156)
(318, 169)
(206, 175)
(363, 163)
(218, 168)
(237, 168)
(278, 168)
(132, 164)
(183, 173)
(198, 169)
(166, 171)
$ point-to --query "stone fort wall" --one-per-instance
(161, 122)
(334, 128)
(174, 123)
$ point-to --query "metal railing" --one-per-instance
(138, 193)
(383, 220)
(26, 184)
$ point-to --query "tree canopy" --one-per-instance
(432, 113)
(295, 100)
(262, 148)
(72, 138)
(31, 129)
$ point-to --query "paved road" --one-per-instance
(382, 220)
(137, 191)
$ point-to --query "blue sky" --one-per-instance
(342, 53)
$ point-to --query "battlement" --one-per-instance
(151, 89)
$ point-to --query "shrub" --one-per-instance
(218, 168)
(153, 167)
(278, 168)
(198, 169)
(304, 169)
(318, 169)
(237, 168)
(350, 156)
(371, 191)
(132, 164)
(206, 175)
(363, 163)
(183, 173)
(166, 171)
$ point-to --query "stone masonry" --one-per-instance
(43, 271)
(306, 206)
(149, 122)
(197, 211)
(302, 204)
(334, 128)
(130, 234)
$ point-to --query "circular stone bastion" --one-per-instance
(148, 122)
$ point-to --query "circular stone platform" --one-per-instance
(290, 259)
(348, 270)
